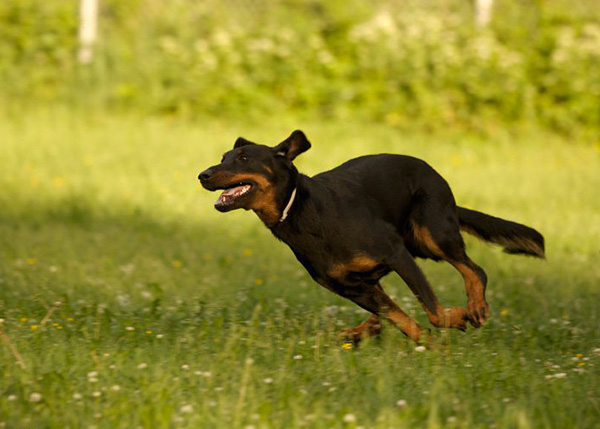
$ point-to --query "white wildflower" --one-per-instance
(186, 409)
(401, 403)
(35, 397)
(349, 418)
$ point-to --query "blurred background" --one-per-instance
(122, 288)
(432, 63)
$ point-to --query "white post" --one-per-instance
(483, 12)
(88, 29)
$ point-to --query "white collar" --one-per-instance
(289, 205)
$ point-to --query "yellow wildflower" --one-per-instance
(347, 346)
(177, 263)
(504, 312)
(59, 182)
(34, 327)
(455, 160)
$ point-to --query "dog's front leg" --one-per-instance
(369, 328)
(374, 299)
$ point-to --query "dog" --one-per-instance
(372, 215)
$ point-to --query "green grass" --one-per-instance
(173, 315)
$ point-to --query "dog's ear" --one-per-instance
(241, 142)
(293, 146)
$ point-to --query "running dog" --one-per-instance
(372, 215)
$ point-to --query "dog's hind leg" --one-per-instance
(442, 238)
(475, 284)
(407, 268)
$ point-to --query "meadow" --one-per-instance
(127, 301)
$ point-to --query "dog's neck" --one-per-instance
(289, 205)
(276, 209)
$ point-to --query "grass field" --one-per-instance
(130, 302)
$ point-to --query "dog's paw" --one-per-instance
(455, 317)
(355, 335)
(478, 312)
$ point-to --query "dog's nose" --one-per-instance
(205, 175)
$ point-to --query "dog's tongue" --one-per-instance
(232, 193)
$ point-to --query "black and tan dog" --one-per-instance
(352, 225)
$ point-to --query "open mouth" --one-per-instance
(232, 194)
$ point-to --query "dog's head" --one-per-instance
(256, 177)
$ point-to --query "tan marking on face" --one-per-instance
(423, 236)
(359, 263)
(263, 203)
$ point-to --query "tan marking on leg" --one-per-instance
(449, 317)
(369, 328)
(477, 306)
(473, 284)
(404, 322)
(423, 236)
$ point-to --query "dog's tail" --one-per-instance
(514, 237)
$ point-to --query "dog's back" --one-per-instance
(390, 185)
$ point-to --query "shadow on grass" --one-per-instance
(130, 260)
(137, 263)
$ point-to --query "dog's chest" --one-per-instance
(330, 270)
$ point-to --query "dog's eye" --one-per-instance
(242, 158)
